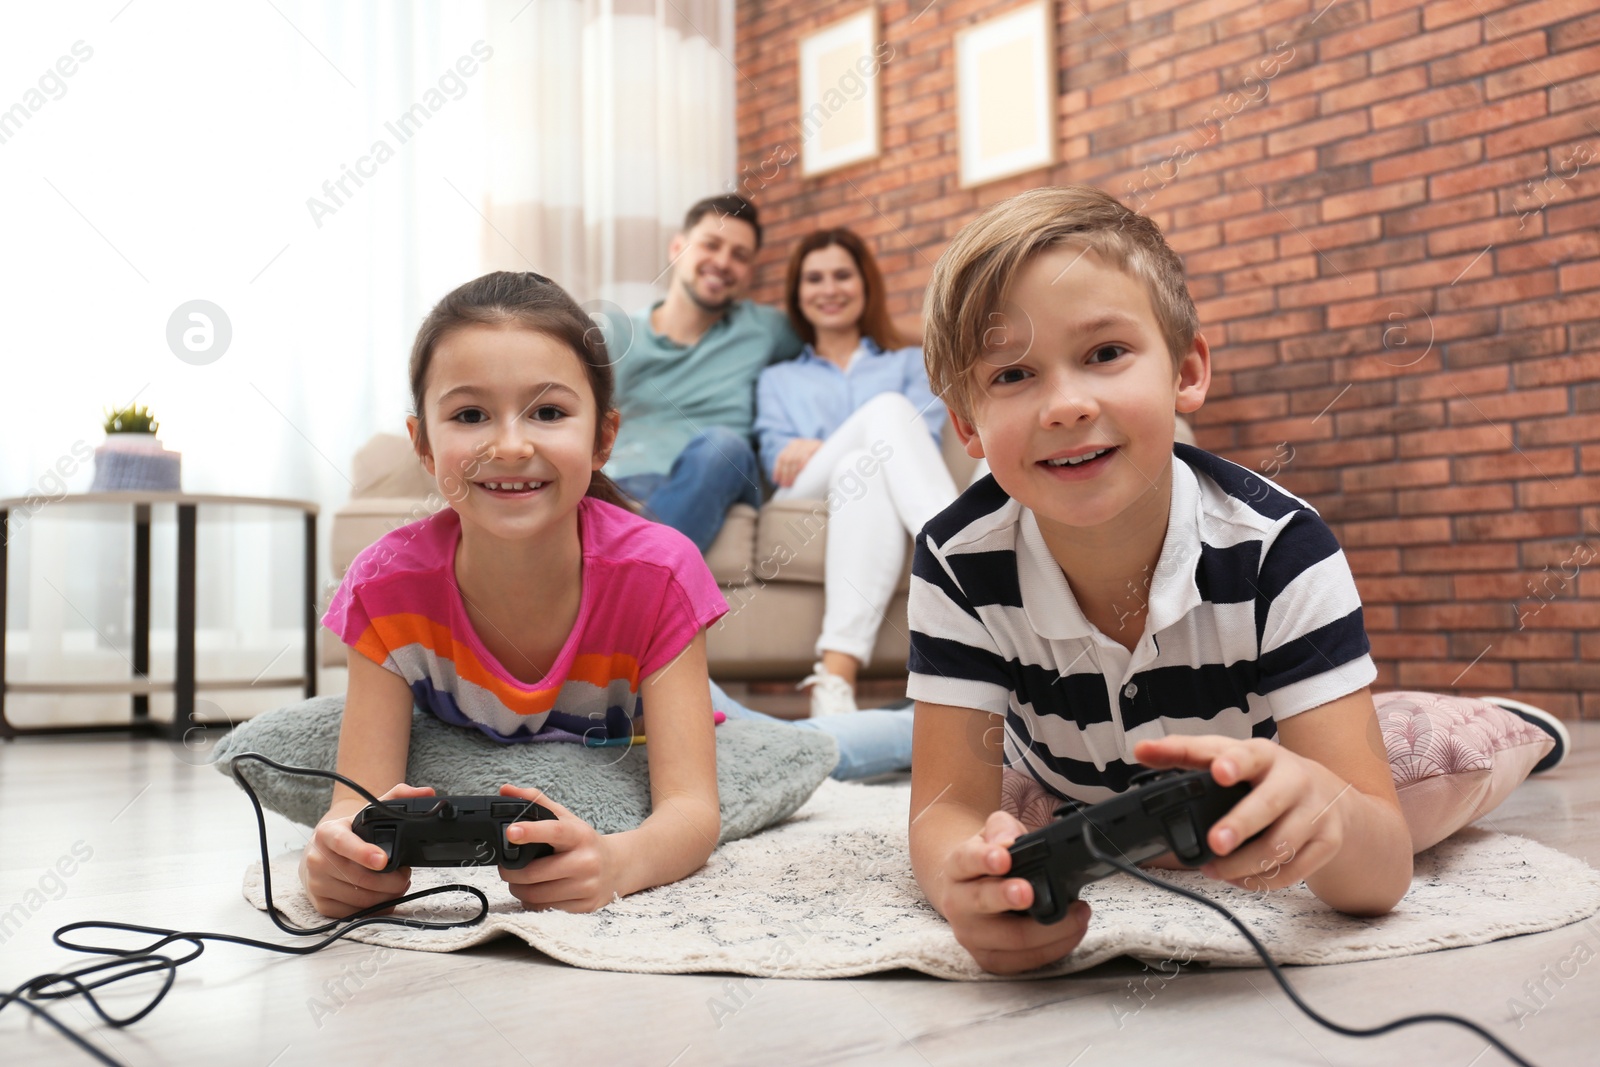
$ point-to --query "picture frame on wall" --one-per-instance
(840, 120)
(1005, 94)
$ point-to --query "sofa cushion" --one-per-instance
(730, 554)
(387, 466)
(791, 543)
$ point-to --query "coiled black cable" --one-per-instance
(136, 961)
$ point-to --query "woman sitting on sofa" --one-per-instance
(853, 416)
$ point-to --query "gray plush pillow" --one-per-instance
(765, 771)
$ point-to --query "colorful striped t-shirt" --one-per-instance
(646, 594)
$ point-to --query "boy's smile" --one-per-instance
(1074, 402)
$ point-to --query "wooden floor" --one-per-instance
(168, 842)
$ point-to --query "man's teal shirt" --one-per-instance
(669, 393)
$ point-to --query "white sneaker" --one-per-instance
(830, 694)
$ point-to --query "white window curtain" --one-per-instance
(322, 172)
(612, 151)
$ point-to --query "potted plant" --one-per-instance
(132, 457)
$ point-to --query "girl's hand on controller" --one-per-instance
(1292, 804)
(581, 875)
(340, 871)
(977, 899)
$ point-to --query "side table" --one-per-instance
(184, 684)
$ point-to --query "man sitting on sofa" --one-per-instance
(686, 370)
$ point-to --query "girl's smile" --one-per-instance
(510, 420)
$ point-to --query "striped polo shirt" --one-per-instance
(645, 594)
(1253, 616)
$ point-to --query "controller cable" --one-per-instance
(137, 961)
(1272, 967)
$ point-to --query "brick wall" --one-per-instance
(1389, 222)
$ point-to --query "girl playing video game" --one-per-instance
(536, 607)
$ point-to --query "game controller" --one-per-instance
(1162, 810)
(450, 831)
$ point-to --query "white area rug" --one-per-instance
(829, 894)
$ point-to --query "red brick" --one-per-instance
(1498, 54)
(1276, 220)
(1544, 493)
(1500, 230)
(1389, 532)
(1496, 174)
(1373, 146)
(1436, 272)
(1452, 558)
(1380, 198)
(1429, 161)
(1519, 526)
(1371, 90)
(1515, 111)
(1497, 291)
(1309, 134)
(1548, 71)
(1340, 287)
(1574, 94)
(1577, 307)
(1569, 368)
(1449, 12)
(1425, 46)
(1412, 589)
(1293, 269)
(1455, 500)
(1284, 324)
(1440, 101)
(1461, 616)
(1517, 645)
(1369, 35)
(1529, 15)
(1457, 440)
(1561, 561)
(1239, 305)
(1448, 674)
(1505, 587)
(1318, 239)
(1392, 475)
(1564, 615)
(1507, 347)
(1517, 405)
(1555, 130)
(1530, 463)
(1579, 676)
(1227, 257)
(1439, 213)
(1373, 560)
(1409, 646)
(1580, 276)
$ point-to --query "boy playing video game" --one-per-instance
(1121, 601)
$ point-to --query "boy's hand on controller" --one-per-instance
(978, 901)
(580, 877)
(1292, 804)
(341, 872)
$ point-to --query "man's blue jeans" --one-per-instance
(716, 470)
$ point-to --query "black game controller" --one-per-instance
(1162, 810)
(450, 831)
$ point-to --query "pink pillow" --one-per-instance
(1454, 759)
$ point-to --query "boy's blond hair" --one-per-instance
(970, 280)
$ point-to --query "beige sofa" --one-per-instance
(769, 564)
